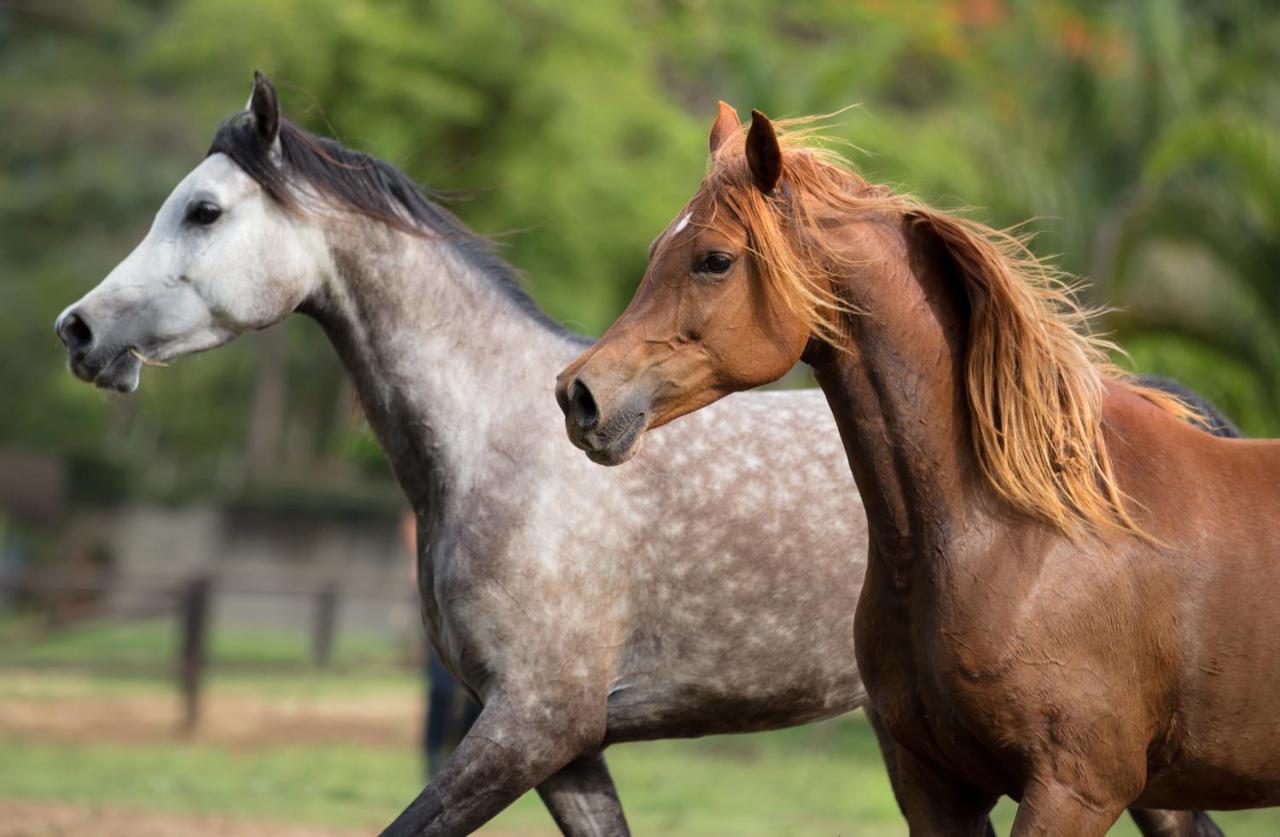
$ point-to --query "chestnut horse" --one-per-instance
(1071, 592)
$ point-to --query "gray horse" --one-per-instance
(706, 587)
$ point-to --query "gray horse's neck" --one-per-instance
(441, 354)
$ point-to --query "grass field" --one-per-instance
(315, 753)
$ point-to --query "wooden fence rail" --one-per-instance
(189, 600)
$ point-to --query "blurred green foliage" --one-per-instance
(1143, 137)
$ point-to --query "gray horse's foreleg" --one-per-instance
(513, 747)
(583, 801)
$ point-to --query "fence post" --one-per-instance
(325, 626)
(193, 615)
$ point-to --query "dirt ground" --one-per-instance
(246, 723)
(59, 819)
(237, 721)
(242, 722)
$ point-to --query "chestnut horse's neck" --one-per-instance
(897, 393)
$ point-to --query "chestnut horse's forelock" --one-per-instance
(1034, 374)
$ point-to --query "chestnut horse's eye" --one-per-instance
(203, 213)
(716, 263)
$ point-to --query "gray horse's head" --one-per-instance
(223, 256)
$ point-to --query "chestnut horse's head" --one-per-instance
(781, 242)
(708, 318)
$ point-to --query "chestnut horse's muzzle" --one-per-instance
(608, 436)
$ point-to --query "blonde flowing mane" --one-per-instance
(1034, 374)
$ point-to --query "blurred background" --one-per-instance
(207, 624)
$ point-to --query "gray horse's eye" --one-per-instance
(203, 213)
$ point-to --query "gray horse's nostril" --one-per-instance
(582, 406)
(74, 332)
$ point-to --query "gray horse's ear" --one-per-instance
(764, 154)
(725, 126)
(265, 108)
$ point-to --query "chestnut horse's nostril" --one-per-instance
(74, 332)
(582, 406)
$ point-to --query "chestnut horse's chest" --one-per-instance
(958, 667)
(901, 659)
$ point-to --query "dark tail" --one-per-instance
(1213, 419)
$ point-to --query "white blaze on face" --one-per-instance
(682, 223)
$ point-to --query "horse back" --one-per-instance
(1212, 579)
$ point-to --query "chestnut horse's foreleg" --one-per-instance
(515, 745)
(889, 751)
(583, 801)
(1053, 807)
(1153, 823)
(935, 806)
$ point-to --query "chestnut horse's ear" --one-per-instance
(725, 126)
(764, 155)
(265, 108)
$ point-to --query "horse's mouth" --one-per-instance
(122, 372)
(617, 441)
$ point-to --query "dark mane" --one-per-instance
(357, 182)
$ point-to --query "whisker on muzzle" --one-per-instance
(146, 361)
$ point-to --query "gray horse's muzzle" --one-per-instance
(108, 365)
